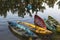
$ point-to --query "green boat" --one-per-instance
(54, 22)
(49, 27)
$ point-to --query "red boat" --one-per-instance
(39, 22)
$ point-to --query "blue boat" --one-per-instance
(21, 29)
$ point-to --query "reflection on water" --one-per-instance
(24, 10)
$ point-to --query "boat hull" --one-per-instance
(37, 29)
(50, 27)
(54, 22)
(39, 21)
(21, 30)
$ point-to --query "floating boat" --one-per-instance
(36, 29)
(21, 30)
(39, 22)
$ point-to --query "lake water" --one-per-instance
(13, 10)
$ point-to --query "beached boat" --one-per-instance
(36, 29)
(50, 27)
(54, 22)
(39, 22)
(21, 30)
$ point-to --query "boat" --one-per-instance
(39, 22)
(15, 32)
(21, 30)
(36, 29)
(50, 27)
(54, 22)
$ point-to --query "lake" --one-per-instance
(24, 10)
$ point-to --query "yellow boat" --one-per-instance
(38, 30)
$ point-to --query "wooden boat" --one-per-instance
(37, 29)
(39, 21)
(15, 32)
(21, 30)
(52, 21)
(50, 27)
